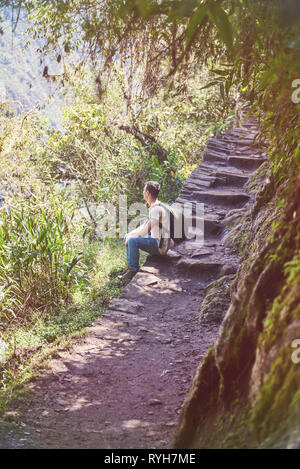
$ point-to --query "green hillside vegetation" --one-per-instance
(57, 274)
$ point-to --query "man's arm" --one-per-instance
(142, 230)
(155, 214)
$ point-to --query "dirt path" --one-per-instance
(124, 384)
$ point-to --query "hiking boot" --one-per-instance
(164, 246)
(127, 274)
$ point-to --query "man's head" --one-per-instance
(151, 191)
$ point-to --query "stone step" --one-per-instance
(219, 181)
(200, 183)
(195, 184)
(252, 152)
(218, 146)
(187, 263)
(204, 252)
(210, 155)
(126, 306)
(208, 167)
(245, 162)
(212, 224)
(238, 131)
(222, 198)
(213, 266)
(237, 179)
(201, 174)
(241, 141)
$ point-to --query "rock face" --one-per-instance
(217, 300)
(245, 392)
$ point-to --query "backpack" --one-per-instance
(176, 223)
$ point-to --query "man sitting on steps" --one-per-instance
(152, 236)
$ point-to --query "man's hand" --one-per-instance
(126, 239)
(144, 229)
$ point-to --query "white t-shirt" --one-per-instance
(159, 213)
(154, 213)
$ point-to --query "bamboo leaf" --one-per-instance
(73, 262)
(211, 83)
(195, 20)
(223, 73)
(222, 91)
(220, 18)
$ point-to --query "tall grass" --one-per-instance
(39, 265)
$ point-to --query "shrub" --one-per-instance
(39, 265)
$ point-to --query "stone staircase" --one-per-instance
(219, 182)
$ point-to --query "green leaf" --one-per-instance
(224, 73)
(228, 84)
(147, 8)
(297, 154)
(222, 91)
(220, 18)
(194, 23)
(211, 83)
(72, 264)
(155, 161)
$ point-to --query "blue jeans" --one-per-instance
(145, 243)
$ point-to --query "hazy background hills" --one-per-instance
(21, 71)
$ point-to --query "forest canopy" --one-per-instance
(251, 45)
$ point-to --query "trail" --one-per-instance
(123, 385)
